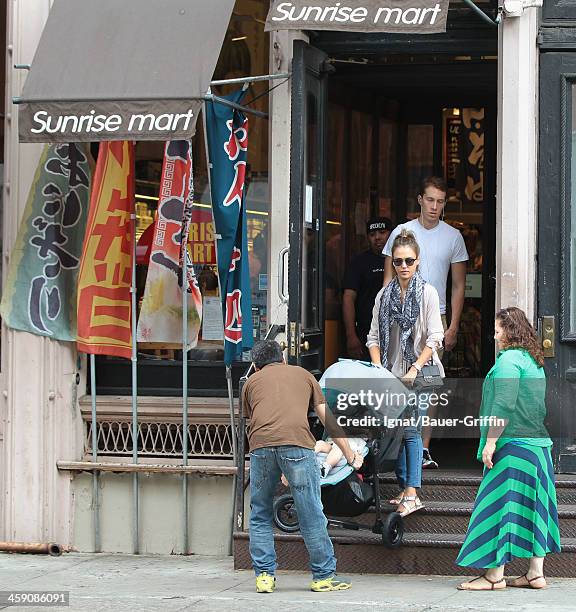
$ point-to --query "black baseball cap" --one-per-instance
(378, 223)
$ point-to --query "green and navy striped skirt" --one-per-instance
(515, 513)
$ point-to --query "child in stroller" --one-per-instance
(331, 459)
(346, 493)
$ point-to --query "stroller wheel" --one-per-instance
(285, 515)
(393, 530)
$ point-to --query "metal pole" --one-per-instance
(231, 408)
(185, 283)
(240, 464)
(218, 100)
(95, 474)
(228, 368)
(482, 14)
(135, 488)
(252, 79)
(185, 398)
(234, 452)
(38, 548)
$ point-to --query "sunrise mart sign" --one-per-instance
(90, 82)
(400, 16)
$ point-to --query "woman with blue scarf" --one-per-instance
(405, 335)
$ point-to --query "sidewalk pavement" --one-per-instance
(125, 583)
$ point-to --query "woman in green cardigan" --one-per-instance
(515, 513)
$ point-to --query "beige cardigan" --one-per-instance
(427, 331)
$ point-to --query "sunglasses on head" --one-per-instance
(398, 261)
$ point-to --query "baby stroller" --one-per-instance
(346, 493)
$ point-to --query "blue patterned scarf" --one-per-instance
(392, 310)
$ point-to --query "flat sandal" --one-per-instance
(411, 504)
(492, 584)
(529, 582)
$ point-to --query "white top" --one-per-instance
(427, 331)
(440, 247)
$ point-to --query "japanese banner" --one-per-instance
(227, 135)
(104, 306)
(40, 292)
(161, 312)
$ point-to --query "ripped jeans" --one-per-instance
(301, 470)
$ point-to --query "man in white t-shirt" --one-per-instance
(442, 250)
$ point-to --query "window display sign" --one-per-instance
(201, 236)
(212, 325)
(400, 16)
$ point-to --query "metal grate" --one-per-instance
(160, 439)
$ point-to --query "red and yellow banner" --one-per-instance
(162, 306)
(104, 307)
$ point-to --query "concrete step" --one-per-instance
(421, 553)
(453, 517)
(462, 486)
(433, 536)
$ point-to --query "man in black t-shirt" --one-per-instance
(364, 278)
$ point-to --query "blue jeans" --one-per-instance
(301, 469)
(409, 463)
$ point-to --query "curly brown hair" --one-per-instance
(519, 333)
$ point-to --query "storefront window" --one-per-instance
(245, 52)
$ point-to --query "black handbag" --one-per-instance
(428, 378)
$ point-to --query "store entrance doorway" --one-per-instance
(368, 132)
(388, 128)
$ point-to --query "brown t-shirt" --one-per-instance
(276, 399)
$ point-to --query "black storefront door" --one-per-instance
(557, 246)
(307, 184)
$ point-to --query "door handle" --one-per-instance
(305, 346)
(548, 335)
(281, 269)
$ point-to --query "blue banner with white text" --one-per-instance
(227, 137)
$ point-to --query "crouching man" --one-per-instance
(277, 399)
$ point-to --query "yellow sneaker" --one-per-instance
(265, 583)
(333, 583)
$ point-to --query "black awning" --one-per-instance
(122, 69)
